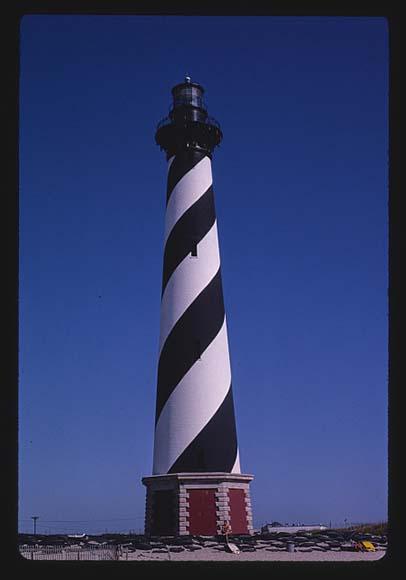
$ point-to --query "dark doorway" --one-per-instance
(163, 523)
(202, 512)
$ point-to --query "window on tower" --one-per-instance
(193, 251)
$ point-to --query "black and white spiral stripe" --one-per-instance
(195, 425)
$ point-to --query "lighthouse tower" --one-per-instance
(197, 483)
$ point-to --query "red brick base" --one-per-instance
(197, 504)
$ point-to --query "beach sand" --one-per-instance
(210, 554)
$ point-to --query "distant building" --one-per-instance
(277, 527)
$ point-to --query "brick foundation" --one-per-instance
(172, 500)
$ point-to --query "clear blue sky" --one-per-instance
(301, 185)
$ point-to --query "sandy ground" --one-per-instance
(209, 554)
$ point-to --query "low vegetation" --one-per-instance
(378, 529)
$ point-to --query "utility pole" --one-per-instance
(35, 518)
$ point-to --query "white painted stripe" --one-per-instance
(187, 281)
(186, 192)
(236, 468)
(193, 403)
(170, 161)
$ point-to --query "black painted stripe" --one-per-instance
(215, 447)
(201, 322)
(184, 161)
(188, 231)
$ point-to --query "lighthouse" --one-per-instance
(196, 484)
